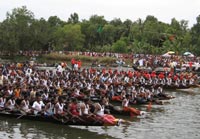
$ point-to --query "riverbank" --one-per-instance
(54, 58)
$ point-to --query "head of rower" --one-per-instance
(38, 97)
(60, 100)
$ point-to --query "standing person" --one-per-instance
(76, 65)
(72, 63)
(79, 64)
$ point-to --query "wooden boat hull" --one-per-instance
(50, 119)
(173, 87)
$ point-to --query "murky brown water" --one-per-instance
(180, 119)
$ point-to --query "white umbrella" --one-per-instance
(187, 53)
(191, 55)
(171, 52)
(166, 55)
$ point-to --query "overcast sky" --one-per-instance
(163, 10)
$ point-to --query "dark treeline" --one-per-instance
(21, 31)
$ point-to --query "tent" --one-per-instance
(168, 54)
(189, 54)
(171, 52)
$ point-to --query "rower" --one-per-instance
(73, 107)
(11, 104)
(32, 93)
(125, 105)
(38, 105)
(85, 111)
(99, 111)
(45, 96)
(24, 106)
(59, 106)
(107, 104)
(1, 79)
(49, 107)
(17, 92)
(73, 110)
(2, 102)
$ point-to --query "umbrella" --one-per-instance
(166, 55)
(187, 53)
(171, 52)
(191, 55)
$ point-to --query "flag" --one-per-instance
(100, 29)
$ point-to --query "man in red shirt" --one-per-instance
(79, 64)
(72, 63)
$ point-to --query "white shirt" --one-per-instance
(38, 106)
(101, 111)
(60, 108)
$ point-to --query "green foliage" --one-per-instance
(74, 18)
(69, 37)
(21, 31)
(120, 46)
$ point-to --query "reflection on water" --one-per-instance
(24, 129)
(180, 119)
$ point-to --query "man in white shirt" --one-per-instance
(38, 105)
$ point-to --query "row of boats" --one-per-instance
(91, 97)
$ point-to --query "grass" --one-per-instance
(56, 57)
(53, 58)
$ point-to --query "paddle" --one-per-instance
(23, 113)
(20, 116)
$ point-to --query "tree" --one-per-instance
(69, 37)
(21, 31)
(55, 21)
(151, 31)
(195, 33)
(108, 34)
(74, 19)
(16, 29)
(41, 35)
(120, 46)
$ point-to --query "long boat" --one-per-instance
(51, 119)
(178, 87)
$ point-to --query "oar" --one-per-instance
(22, 114)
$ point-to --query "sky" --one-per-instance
(163, 10)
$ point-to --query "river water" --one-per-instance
(178, 119)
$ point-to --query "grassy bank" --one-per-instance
(57, 58)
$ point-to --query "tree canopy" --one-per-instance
(22, 31)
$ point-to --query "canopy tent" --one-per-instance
(189, 54)
(171, 52)
(168, 54)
